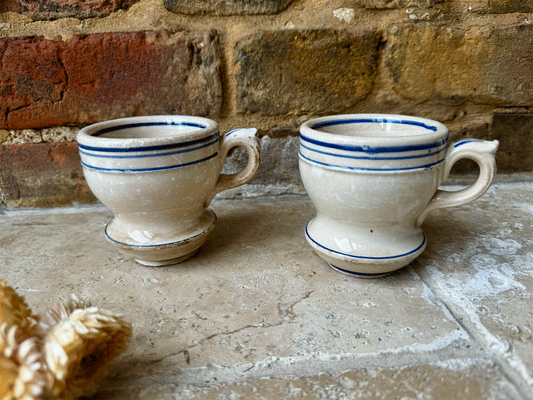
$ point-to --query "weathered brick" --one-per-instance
(54, 9)
(301, 71)
(42, 175)
(109, 75)
(488, 65)
(227, 7)
(397, 3)
(497, 6)
(515, 133)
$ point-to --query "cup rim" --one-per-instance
(86, 136)
(435, 130)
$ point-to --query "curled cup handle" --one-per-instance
(235, 138)
(483, 153)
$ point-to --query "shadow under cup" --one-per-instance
(372, 178)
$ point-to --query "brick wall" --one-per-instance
(271, 64)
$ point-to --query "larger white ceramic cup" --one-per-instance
(158, 175)
(373, 178)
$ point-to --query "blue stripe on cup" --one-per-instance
(434, 153)
(424, 166)
(466, 141)
(152, 169)
(149, 148)
(169, 153)
(377, 149)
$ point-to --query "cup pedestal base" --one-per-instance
(168, 249)
(364, 252)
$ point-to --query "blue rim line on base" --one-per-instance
(364, 257)
(149, 246)
(345, 271)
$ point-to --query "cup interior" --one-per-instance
(375, 127)
(146, 130)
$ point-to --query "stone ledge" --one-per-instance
(257, 312)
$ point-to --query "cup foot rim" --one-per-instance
(366, 266)
(163, 263)
(168, 253)
(363, 275)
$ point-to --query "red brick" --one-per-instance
(110, 75)
(42, 175)
(54, 9)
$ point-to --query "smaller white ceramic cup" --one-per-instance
(158, 174)
(373, 178)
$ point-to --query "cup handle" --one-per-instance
(237, 137)
(483, 153)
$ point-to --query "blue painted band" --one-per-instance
(148, 246)
(373, 121)
(149, 169)
(425, 166)
(363, 257)
(170, 153)
(143, 124)
(374, 150)
(358, 273)
(465, 141)
(434, 153)
(149, 148)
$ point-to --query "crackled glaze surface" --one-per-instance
(373, 178)
(158, 175)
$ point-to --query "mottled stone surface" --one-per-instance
(294, 72)
(255, 313)
(488, 281)
(109, 75)
(486, 65)
(227, 7)
(55, 9)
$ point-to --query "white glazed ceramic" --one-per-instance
(158, 175)
(373, 178)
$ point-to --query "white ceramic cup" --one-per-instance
(158, 174)
(373, 178)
